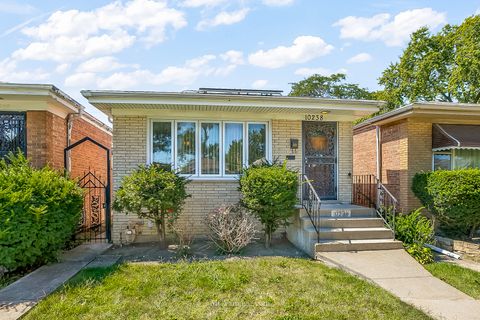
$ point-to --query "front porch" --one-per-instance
(341, 227)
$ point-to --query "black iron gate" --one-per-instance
(95, 225)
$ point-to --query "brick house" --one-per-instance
(42, 121)
(210, 134)
(418, 137)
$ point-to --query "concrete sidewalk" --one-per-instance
(401, 275)
(20, 296)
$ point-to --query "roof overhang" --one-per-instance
(27, 97)
(434, 112)
(454, 136)
(147, 102)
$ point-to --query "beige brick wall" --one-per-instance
(130, 149)
(419, 156)
(345, 161)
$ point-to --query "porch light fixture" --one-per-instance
(325, 112)
(293, 144)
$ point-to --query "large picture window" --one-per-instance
(208, 148)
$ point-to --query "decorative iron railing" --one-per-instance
(311, 203)
(12, 133)
(368, 191)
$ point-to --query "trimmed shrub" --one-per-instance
(415, 230)
(39, 211)
(270, 193)
(453, 197)
(153, 192)
(231, 228)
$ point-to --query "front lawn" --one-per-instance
(463, 279)
(256, 288)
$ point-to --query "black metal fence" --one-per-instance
(12, 132)
(365, 190)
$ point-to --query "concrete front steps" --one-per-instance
(343, 227)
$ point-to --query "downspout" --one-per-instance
(70, 118)
(379, 153)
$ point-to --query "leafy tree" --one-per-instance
(444, 66)
(153, 192)
(270, 193)
(333, 86)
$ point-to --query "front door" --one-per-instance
(320, 157)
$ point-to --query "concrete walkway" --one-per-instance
(20, 296)
(400, 274)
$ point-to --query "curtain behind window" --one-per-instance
(466, 158)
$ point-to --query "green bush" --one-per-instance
(154, 192)
(415, 230)
(270, 193)
(39, 211)
(453, 197)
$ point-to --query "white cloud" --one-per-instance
(392, 31)
(207, 66)
(359, 58)
(233, 56)
(305, 72)
(303, 49)
(224, 18)
(74, 35)
(101, 64)
(10, 73)
(16, 8)
(62, 68)
(259, 84)
(277, 3)
(81, 80)
(201, 3)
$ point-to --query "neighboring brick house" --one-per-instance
(42, 121)
(419, 137)
(199, 133)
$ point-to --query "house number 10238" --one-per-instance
(314, 117)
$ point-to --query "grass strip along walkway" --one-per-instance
(257, 288)
(465, 280)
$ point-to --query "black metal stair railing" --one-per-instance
(311, 203)
(368, 191)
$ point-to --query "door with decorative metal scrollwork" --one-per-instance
(320, 157)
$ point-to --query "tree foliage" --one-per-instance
(39, 211)
(154, 192)
(437, 67)
(333, 87)
(270, 193)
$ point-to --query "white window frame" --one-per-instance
(266, 139)
(220, 149)
(198, 173)
(150, 141)
(196, 146)
(223, 147)
(451, 153)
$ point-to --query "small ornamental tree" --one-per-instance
(153, 192)
(270, 193)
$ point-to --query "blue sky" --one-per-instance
(187, 44)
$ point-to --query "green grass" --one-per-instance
(260, 288)
(463, 279)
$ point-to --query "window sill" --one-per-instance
(213, 179)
